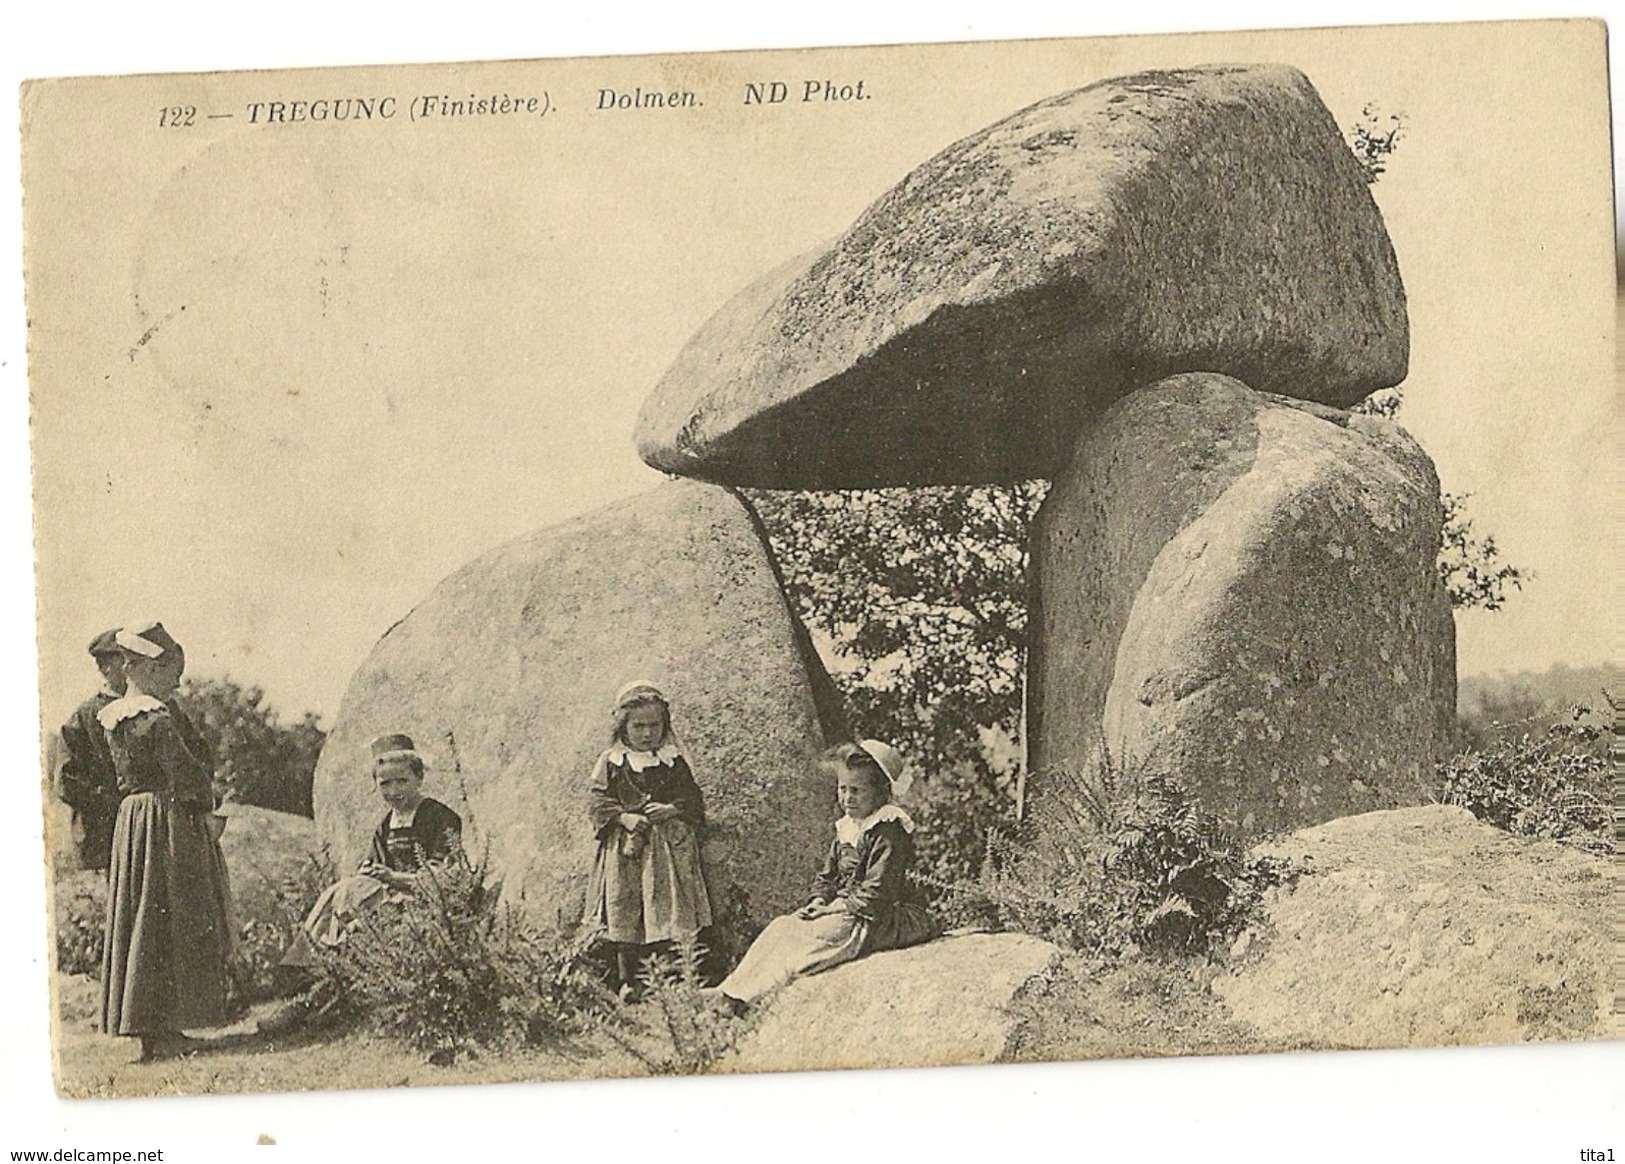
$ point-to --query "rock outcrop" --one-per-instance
(506, 672)
(265, 851)
(1423, 927)
(973, 319)
(946, 1002)
(1239, 589)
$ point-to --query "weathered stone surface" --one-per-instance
(1423, 926)
(971, 320)
(266, 850)
(1240, 590)
(946, 1002)
(506, 672)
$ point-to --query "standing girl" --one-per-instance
(647, 883)
(168, 936)
(861, 900)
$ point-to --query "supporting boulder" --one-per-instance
(1240, 590)
(505, 675)
(970, 322)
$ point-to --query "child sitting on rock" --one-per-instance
(861, 901)
(647, 884)
(416, 832)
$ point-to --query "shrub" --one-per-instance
(81, 915)
(1551, 782)
(1126, 866)
(959, 814)
(263, 935)
(258, 758)
(450, 970)
(694, 1030)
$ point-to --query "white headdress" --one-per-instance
(891, 763)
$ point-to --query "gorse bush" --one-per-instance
(1125, 866)
(1552, 782)
(691, 1030)
(81, 918)
(450, 970)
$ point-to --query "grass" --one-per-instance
(1082, 1010)
(236, 1059)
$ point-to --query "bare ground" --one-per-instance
(238, 1059)
(1079, 1010)
(1137, 1009)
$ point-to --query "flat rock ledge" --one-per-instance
(945, 1003)
(1425, 927)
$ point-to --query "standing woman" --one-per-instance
(168, 935)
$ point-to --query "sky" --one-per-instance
(399, 356)
(287, 378)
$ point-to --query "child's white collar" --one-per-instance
(127, 706)
(403, 818)
(667, 753)
(848, 831)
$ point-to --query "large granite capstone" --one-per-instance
(505, 674)
(1240, 590)
(973, 319)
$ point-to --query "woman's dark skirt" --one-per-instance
(168, 933)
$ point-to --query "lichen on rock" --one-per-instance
(1425, 927)
(978, 315)
(1239, 589)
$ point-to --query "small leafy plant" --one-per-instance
(693, 1026)
(1126, 866)
(450, 970)
(81, 915)
(1549, 781)
(262, 937)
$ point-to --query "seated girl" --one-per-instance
(861, 901)
(416, 832)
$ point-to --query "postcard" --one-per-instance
(837, 558)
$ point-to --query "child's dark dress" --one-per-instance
(434, 834)
(168, 929)
(867, 866)
(648, 889)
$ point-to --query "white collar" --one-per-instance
(849, 831)
(403, 820)
(126, 707)
(638, 761)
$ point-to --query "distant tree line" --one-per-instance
(258, 759)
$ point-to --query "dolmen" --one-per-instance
(1161, 293)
